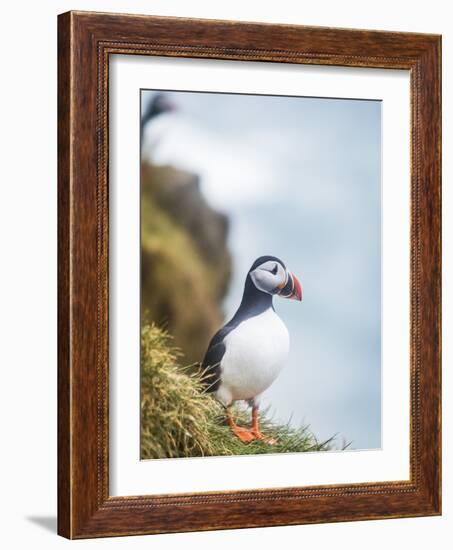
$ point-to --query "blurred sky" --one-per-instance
(299, 179)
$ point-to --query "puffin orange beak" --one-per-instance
(297, 292)
(292, 289)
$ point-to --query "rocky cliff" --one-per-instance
(186, 264)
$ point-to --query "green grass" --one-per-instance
(179, 420)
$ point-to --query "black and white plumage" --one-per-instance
(247, 354)
(159, 105)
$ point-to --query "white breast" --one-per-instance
(256, 351)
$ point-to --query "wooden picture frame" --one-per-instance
(85, 42)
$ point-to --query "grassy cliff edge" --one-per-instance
(178, 420)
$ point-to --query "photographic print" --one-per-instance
(260, 274)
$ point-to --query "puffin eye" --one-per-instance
(274, 269)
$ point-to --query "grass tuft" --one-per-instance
(179, 420)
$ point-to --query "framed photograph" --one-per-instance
(249, 275)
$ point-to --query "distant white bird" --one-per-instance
(165, 130)
(231, 167)
(158, 105)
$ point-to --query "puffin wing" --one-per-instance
(211, 366)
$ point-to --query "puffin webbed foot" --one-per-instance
(269, 440)
(246, 436)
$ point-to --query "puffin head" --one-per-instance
(269, 274)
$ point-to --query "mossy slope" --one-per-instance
(186, 264)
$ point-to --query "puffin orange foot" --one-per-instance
(269, 440)
(244, 435)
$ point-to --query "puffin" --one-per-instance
(159, 105)
(248, 353)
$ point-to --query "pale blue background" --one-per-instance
(305, 176)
